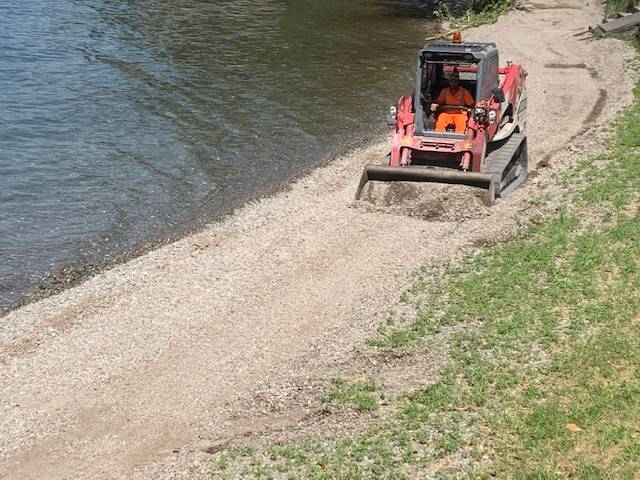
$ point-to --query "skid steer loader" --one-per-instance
(490, 154)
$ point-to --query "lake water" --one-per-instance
(122, 122)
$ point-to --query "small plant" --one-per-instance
(442, 13)
(487, 11)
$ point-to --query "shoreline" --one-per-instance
(73, 274)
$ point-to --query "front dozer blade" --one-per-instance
(415, 173)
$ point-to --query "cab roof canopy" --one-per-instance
(471, 52)
(483, 55)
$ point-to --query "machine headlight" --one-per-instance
(479, 112)
(393, 114)
(492, 117)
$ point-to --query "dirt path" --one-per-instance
(111, 377)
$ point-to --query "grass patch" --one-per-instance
(543, 334)
(363, 395)
(478, 12)
(616, 6)
(489, 10)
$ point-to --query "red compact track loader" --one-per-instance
(490, 154)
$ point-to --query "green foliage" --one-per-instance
(478, 12)
(615, 6)
(362, 394)
(484, 6)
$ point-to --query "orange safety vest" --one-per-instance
(462, 97)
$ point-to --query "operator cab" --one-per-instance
(435, 78)
(477, 66)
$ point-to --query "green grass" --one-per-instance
(543, 332)
(363, 395)
(490, 7)
(478, 12)
(615, 6)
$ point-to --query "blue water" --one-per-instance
(122, 122)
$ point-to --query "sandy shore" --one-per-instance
(126, 374)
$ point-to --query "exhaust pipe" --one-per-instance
(414, 173)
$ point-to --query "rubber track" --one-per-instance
(498, 160)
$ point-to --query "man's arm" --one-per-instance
(468, 99)
(439, 101)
